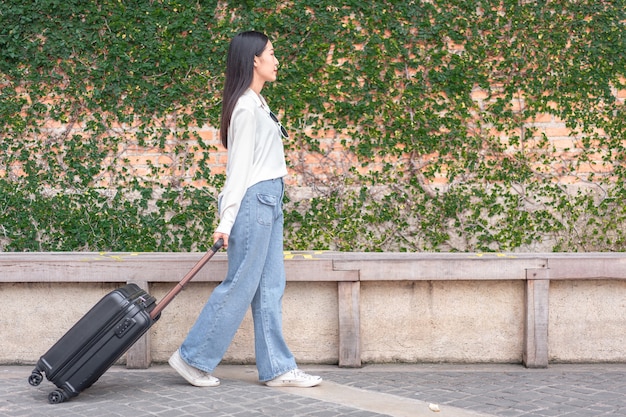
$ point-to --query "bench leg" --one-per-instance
(349, 293)
(535, 354)
(138, 356)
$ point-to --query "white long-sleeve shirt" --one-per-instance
(255, 154)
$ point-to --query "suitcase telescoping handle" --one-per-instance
(192, 273)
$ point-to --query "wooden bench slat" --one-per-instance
(440, 270)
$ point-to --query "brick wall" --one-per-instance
(332, 163)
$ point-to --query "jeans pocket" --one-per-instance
(266, 208)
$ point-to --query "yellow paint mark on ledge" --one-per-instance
(302, 255)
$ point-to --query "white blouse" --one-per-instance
(255, 154)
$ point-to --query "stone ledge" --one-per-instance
(348, 270)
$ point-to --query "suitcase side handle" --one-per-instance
(154, 314)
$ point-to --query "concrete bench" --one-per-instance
(348, 270)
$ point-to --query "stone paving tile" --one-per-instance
(504, 391)
(140, 394)
(557, 391)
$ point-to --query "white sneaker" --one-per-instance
(295, 378)
(193, 375)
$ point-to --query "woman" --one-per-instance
(251, 225)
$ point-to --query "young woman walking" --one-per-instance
(251, 225)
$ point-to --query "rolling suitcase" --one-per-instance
(80, 357)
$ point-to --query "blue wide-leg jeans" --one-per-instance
(255, 278)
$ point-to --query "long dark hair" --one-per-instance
(239, 72)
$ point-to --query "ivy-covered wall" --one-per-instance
(440, 125)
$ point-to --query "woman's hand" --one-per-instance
(224, 236)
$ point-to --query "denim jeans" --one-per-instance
(256, 278)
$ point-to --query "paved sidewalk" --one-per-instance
(375, 390)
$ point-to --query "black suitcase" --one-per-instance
(95, 342)
(102, 336)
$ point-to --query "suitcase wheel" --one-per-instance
(56, 397)
(35, 378)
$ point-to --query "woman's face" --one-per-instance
(266, 65)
